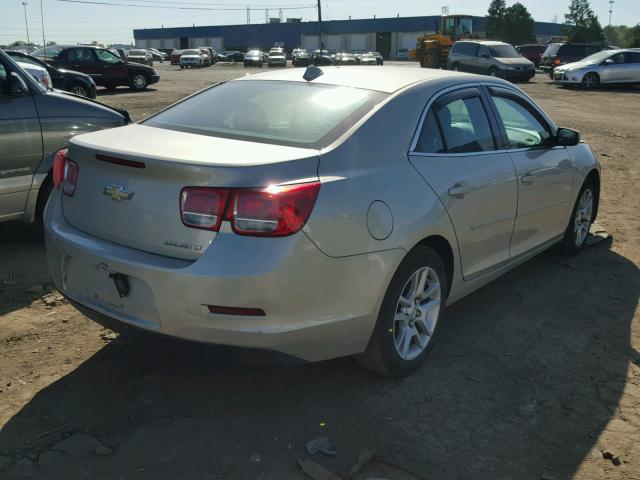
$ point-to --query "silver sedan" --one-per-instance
(606, 67)
(320, 215)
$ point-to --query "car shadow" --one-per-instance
(604, 88)
(103, 92)
(23, 266)
(524, 377)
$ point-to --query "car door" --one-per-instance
(545, 171)
(459, 156)
(633, 67)
(82, 59)
(616, 69)
(21, 142)
(482, 61)
(114, 69)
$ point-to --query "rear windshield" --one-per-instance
(503, 51)
(51, 51)
(551, 50)
(282, 113)
(191, 52)
(137, 52)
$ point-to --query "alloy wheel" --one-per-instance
(582, 220)
(80, 90)
(417, 313)
(139, 81)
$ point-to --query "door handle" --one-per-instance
(459, 189)
(527, 179)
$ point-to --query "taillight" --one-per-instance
(556, 61)
(203, 207)
(275, 211)
(65, 173)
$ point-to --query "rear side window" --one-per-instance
(81, 55)
(634, 57)
(282, 113)
(570, 50)
(552, 50)
(523, 126)
(460, 125)
(465, 48)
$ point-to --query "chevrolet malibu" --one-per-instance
(265, 211)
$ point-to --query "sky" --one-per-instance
(66, 22)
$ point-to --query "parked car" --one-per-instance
(193, 58)
(73, 82)
(354, 251)
(47, 119)
(403, 54)
(253, 58)
(300, 57)
(367, 59)
(143, 57)
(346, 59)
(174, 58)
(557, 54)
(104, 67)
(606, 67)
(234, 56)
(39, 73)
(122, 53)
(532, 52)
(277, 58)
(208, 51)
(378, 56)
(158, 55)
(496, 59)
(321, 58)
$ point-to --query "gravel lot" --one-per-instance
(536, 376)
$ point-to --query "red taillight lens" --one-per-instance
(203, 207)
(556, 61)
(65, 173)
(275, 211)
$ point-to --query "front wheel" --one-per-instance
(580, 222)
(79, 89)
(139, 82)
(590, 81)
(410, 311)
(493, 72)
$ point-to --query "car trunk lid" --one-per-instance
(130, 180)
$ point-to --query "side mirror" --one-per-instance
(566, 137)
(17, 85)
(608, 61)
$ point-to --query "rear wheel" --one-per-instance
(79, 89)
(139, 81)
(590, 81)
(408, 316)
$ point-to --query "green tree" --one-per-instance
(581, 24)
(495, 19)
(518, 25)
(632, 39)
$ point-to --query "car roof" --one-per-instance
(484, 42)
(388, 79)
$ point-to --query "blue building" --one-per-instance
(389, 36)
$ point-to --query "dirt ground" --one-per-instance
(536, 376)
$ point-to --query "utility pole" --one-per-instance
(611, 2)
(44, 43)
(320, 25)
(248, 15)
(26, 25)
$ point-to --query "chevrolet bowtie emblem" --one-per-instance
(117, 193)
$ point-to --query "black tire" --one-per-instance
(381, 355)
(590, 81)
(139, 81)
(43, 198)
(569, 246)
(431, 58)
(493, 72)
(79, 89)
(455, 67)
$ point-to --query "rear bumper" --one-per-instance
(518, 74)
(316, 307)
(155, 78)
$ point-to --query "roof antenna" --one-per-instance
(311, 73)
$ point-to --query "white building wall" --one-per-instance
(333, 42)
(356, 42)
(310, 42)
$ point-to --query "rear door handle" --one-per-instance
(459, 189)
(527, 179)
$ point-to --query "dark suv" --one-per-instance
(497, 59)
(532, 52)
(558, 54)
(103, 66)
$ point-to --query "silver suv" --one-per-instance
(497, 59)
(34, 124)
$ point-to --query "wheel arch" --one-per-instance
(444, 249)
(594, 176)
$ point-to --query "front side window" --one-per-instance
(465, 126)
(483, 51)
(504, 51)
(282, 113)
(523, 127)
(107, 56)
